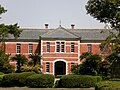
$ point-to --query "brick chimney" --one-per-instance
(72, 26)
(46, 26)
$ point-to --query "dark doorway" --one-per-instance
(60, 68)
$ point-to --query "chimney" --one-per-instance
(46, 26)
(72, 26)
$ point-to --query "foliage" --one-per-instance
(29, 68)
(114, 60)
(1, 77)
(36, 58)
(1, 73)
(5, 66)
(108, 85)
(23, 76)
(21, 60)
(10, 80)
(15, 79)
(5, 30)
(78, 81)
(102, 10)
(2, 10)
(92, 65)
(40, 81)
(107, 11)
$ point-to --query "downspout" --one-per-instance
(39, 49)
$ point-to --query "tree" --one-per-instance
(5, 66)
(5, 30)
(108, 12)
(20, 59)
(36, 58)
(91, 65)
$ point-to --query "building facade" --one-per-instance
(60, 48)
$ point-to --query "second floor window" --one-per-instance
(48, 46)
(18, 48)
(57, 46)
(30, 48)
(72, 47)
(60, 46)
(89, 48)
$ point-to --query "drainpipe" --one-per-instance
(39, 49)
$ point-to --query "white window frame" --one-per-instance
(72, 48)
(18, 48)
(47, 46)
(30, 48)
(47, 67)
(89, 47)
(60, 47)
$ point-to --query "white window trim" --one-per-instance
(46, 67)
(46, 47)
(17, 48)
(29, 48)
(60, 47)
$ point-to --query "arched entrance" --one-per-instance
(60, 68)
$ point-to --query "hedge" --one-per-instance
(1, 77)
(15, 79)
(108, 85)
(22, 78)
(10, 80)
(40, 81)
(78, 81)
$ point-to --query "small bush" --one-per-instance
(15, 79)
(1, 77)
(23, 76)
(108, 85)
(40, 81)
(78, 81)
(10, 80)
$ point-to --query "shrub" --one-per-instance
(108, 85)
(23, 76)
(10, 80)
(40, 80)
(15, 79)
(1, 77)
(78, 81)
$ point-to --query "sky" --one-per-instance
(36, 13)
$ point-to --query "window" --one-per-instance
(47, 67)
(72, 46)
(18, 48)
(57, 46)
(48, 46)
(60, 46)
(89, 48)
(30, 48)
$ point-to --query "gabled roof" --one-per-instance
(59, 33)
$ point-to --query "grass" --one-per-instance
(25, 88)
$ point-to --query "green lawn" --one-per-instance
(25, 88)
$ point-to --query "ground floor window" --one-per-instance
(47, 67)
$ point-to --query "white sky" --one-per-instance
(35, 13)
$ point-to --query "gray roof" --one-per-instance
(62, 33)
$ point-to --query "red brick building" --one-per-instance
(60, 47)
